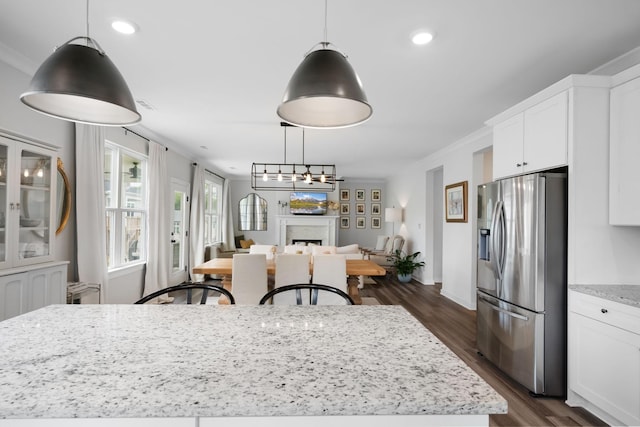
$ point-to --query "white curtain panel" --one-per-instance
(90, 211)
(228, 237)
(196, 223)
(159, 227)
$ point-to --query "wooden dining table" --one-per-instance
(355, 269)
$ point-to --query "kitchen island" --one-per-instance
(233, 366)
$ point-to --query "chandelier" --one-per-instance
(293, 176)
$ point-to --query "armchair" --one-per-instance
(382, 257)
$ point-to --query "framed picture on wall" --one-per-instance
(376, 195)
(360, 209)
(375, 208)
(344, 209)
(455, 202)
(359, 195)
(344, 195)
(376, 222)
(344, 222)
(360, 222)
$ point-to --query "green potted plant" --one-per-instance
(405, 264)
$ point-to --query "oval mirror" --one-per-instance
(63, 198)
(252, 212)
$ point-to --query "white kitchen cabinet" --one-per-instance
(532, 140)
(27, 201)
(624, 152)
(29, 288)
(604, 358)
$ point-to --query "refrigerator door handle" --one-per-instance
(502, 310)
(496, 250)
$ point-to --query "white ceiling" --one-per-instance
(215, 71)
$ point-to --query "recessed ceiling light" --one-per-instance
(124, 27)
(422, 38)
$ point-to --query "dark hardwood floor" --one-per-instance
(455, 327)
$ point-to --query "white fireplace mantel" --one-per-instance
(313, 227)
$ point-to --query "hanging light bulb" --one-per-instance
(279, 174)
(265, 176)
(323, 178)
(26, 173)
(40, 173)
(307, 177)
(293, 175)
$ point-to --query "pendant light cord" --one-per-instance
(88, 36)
(326, 42)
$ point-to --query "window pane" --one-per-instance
(132, 232)
(132, 173)
(109, 196)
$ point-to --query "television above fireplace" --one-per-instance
(307, 203)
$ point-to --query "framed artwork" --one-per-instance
(375, 208)
(344, 209)
(376, 222)
(359, 195)
(455, 202)
(376, 195)
(360, 222)
(344, 222)
(344, 195)
(360, 209)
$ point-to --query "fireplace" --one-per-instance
(319, 229)
(306, 241)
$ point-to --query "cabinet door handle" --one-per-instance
(604, 310)
(518, 165)
(524, 163)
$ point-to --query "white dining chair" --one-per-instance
(249, 278)
(268, 250)
(323, 250)
(330, 270)
(291, 270)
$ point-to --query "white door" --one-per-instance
(179, 245)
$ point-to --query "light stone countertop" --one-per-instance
(113, 361)
(624, 294)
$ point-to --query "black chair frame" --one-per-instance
(314, 287)
(189, 287)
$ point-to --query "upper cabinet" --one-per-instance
(27, 196)
(624, 152)
(532, 140)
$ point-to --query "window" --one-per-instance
(212, 209)
(125, 192)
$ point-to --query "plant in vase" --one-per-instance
(405, 264)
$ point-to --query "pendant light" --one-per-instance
(324, 92)
(80, 83)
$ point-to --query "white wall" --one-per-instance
(15, 117)
(415, 193)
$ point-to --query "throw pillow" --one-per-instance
(246, 244)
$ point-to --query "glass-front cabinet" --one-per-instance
(27, 215)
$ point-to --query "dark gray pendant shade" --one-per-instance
(324, 92)
(81, 84)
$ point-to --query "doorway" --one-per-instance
(179, 232)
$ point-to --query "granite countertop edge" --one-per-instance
(623, 294)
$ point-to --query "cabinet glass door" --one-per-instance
(3, 202)
(35, 205)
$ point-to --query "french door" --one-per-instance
(179, 232)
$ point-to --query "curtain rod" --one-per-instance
(212, 173)
(136, 133)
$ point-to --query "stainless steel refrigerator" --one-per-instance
(522, 279)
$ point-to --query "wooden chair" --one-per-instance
(189, 287)
(302, 295)
(249, 279)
